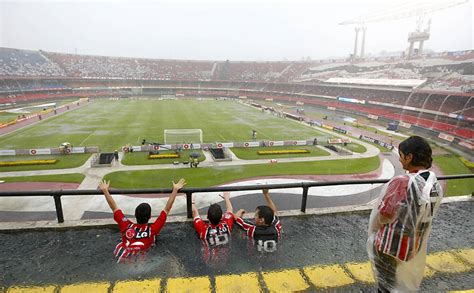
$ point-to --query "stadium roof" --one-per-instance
(380, 81)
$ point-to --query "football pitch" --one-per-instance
(113, 124)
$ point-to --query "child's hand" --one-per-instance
(179, 185)
(226, 195)
(104, 185)
(240, 213)
(265, 191)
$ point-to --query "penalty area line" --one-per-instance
(86, 138)
(261, 132)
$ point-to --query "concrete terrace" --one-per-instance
(317, 252)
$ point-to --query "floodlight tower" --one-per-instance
(420, 9)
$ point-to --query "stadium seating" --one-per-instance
(30, 75)
(15, 62)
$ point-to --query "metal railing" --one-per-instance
(57, 194)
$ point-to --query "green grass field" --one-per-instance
(141, 158)
(64, 161)
(67, 178)
(113, 124)
(356, 148)
(251, 153)
(451, 165)
(30, 107)
(212, 176)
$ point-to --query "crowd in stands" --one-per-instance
(131, 68)
(451, 71)
(445, 73)
(15, 62)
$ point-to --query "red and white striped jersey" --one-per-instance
(257, 232)
(136, 238)
(214, 234)
(412, 215)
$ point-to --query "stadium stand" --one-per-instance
(444, 103)
(15, 62)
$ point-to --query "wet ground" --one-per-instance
(71, 256)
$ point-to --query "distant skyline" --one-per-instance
(219, 30)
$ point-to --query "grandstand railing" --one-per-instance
(305, 186)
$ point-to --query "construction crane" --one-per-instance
(419, 9)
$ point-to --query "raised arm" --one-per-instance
(269, 201)
(176, 188)
(194, 209)
(227, 202)
(104, 186)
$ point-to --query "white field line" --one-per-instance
(261, 132)
(138, 140)
(86, 138)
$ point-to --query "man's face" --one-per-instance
(405, 160)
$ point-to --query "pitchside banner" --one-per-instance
(251, 144)
(225, 144)
(403, 124)
(136, 148)
(327, 127)
(191, 146)
(340, 130)
(78, 150)
(466, 144)
(376, 141)
(7, 152)
(375, 117)
(446, 137)
(40, 151)
(334, 141)
(300, 142)
(275, 143)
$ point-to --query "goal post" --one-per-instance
(175, 136)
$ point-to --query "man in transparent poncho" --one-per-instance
(400, 222)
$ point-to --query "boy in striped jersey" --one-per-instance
(400, 224)
(266, 232)
(215, 234)
(138, 237)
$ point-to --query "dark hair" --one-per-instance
(143, 213)
(420, 150)
(214, 214)
(266, 213)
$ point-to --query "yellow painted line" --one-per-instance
(466, 254)
(445, 262)
(452, 261)
(33, 289)
(86, 288)
(188, 285)
(328, 276)
(362, 272)
(146, 286)
(238, 283)
(462, 291)
(285, 281)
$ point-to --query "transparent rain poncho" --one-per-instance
(399, 228)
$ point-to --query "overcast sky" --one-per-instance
(219, 30)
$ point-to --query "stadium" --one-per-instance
(322, 135)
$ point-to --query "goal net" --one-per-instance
(175, 136)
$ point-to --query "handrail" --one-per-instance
(57, 193)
